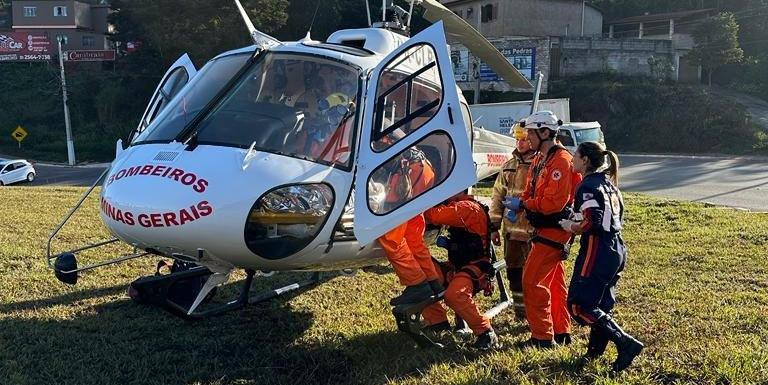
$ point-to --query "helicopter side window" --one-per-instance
(403, 178)
(408, 95)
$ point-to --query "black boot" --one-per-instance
(487, 341)
(436, 286)
(515, 276)
(413, 294)
(537, 344)
(627, 346)
(563, 339)
(597, 343)
(440, 327)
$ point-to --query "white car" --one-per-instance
(12, 171)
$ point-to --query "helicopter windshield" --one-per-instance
(193, 98)
(296, 105)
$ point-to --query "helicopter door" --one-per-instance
(413, 118)
(174, 80)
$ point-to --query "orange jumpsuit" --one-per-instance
(467, 214)
(544, 285)
(404, 245)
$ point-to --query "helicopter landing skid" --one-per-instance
(155, 290)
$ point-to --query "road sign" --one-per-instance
(19, 134)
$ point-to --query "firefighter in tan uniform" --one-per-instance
(511, 182)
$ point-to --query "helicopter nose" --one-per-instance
(151, 203)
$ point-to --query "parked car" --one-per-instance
(19, 170)
(571, 135)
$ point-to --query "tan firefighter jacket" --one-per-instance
(511, 182)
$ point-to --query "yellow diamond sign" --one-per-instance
(19, 134)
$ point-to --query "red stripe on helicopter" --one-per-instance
(165, 219)
(176, 174)
(497, 159)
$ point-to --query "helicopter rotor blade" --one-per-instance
(459, 30)
(261, 39)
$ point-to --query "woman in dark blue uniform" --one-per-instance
(599, 217)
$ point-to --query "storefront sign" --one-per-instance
(89, 55)
(23, 46)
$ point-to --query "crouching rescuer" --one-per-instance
(469, 269)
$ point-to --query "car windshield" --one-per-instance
(196, 95)
(296, 105)
(588, 135)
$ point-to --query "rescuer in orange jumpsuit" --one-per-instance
(468, 269)
(411, 175)
(546, 200)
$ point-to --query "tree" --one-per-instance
(717, 43)
(202, 28)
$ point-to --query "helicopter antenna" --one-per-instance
(312, 24)
(261, 39)
(368, 12)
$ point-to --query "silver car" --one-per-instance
(19, 170)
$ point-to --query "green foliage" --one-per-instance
(716, 43)
(640, 115)
(201, 28)
(661, 68)
(695, 291)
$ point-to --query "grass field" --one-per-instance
(695, 291)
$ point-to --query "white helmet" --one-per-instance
(542, 119)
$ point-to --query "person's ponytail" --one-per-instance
(613, 169)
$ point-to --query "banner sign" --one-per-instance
(460, 60)
(89, 55)
(24, 46)
(524, 59)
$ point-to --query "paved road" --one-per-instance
(736, 182)
(756, 107)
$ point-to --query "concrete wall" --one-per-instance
(83, 16)
(626, 56)
(531, 17)
(541, 62)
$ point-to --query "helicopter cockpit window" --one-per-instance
(203, 87)
(408, 95)
(296, 105)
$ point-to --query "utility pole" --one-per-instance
(67, 124)
(583, 9)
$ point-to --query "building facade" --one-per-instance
(81, 26)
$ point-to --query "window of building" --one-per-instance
(470, 11)
(59, 11)
(488, 13)
(89, 41)
(30, 11)
(64, 39)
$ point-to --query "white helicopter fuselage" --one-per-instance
(201, 202)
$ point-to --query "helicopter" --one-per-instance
(275, 157)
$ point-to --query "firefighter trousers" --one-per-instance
(545, 292)
(406, 251)
(459, 296)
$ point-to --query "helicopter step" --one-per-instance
(408, 316)
(181, 292)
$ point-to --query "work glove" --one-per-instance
(512, 216)
(567, 224)
(512, 203)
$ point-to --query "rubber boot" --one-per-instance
(597, 343)
(515, 276)
(487, 341)
(627, 346)
(563, 339)
(537, 344)
(413, 294)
